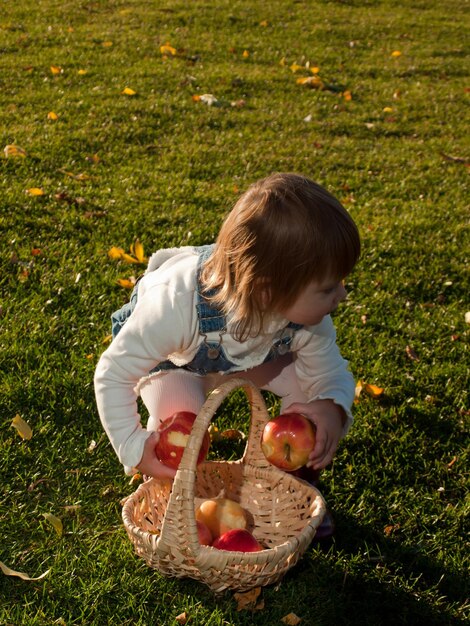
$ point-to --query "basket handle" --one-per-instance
(181, 503)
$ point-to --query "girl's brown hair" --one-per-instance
(284, 232)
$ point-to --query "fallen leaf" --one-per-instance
(55, 522)
(455, 159)
(295, 67)
(137, 249)
(35, 191)
(136, 478)
(23, 428)
(315, 70)
(291, 619)
(56, 69)
(387, 110)
(92, 446)
(35, 251)
(127, 283)
(107, 339)
(449, 465)
(245, 54)
(411, 353)
(391, 528)
(82, 72)
(11, 572)
(115, 252)
(167, 49)
(314, 82)
(248, 600)
(372, 390)
(232, 435)
(107, 44)
(52, 116)
(467, 317)
(347, 95)
(127, 91)
(396, 53)
(12, 150)
(182, 618)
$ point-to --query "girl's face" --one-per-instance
(315, 301)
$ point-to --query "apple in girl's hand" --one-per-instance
(174, 434)
(221, 515)
(287, 441)
(204, 534)
(237, 540)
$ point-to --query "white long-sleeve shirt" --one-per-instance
(164, 326)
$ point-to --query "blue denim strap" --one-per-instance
(210, 318)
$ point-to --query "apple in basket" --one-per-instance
(237, 540)
(203, 533)
(173, 436)
(221, 515)
(287, 441)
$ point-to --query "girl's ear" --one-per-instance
(261, 287)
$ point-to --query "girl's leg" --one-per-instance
(166, 393)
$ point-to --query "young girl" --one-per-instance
(255, 304)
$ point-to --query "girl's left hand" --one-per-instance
(329, 419)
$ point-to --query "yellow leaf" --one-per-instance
(245, 54)
(107, 339)
(129, 258)
(128, 92)
(315, 70)
(82, 72)
(23, 428)
(12, 150)
(291, 619)
(138, 250)
(313, 82)
(372, 390)
(127, 283)
(55, 522)
(387, 110)
(283, 62)
(167, 49)
(115, 253)
(107, 44)
(358, 391)
(56, 69)
(347, 95)
(295, 67)
(52, 116)
(35, 191)
(11, 572)
(396, 53)
(264, 23)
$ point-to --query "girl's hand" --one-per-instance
(149, 463)
(329, 419)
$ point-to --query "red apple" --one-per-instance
(287, 441)
(237, 540)
(174, 434)
(204, 534)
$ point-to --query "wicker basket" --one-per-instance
(160, 521)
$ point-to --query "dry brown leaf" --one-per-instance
(411, 353)
(248, 600)
(291, 619)
(23, 428)
(182, 618)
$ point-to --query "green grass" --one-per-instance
(169, 168)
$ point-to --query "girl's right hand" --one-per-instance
(149, 463)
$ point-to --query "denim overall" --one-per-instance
(210, 356)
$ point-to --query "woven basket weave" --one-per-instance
(160, 521)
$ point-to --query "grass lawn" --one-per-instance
(386, 130)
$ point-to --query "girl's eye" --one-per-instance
(329, 291)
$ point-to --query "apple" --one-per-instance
(221, 515)
(204, 534)
(287, 441)
(237, 540)
(173, 436)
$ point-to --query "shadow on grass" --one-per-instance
(382, 582)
